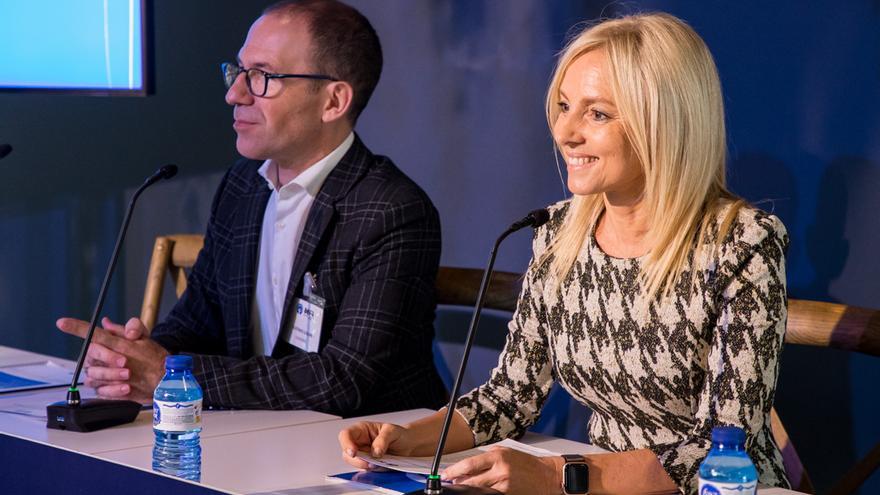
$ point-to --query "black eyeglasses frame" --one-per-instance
(229, 81)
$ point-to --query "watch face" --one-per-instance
(576, 478)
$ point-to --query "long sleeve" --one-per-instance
(511, 400)
(743, 359)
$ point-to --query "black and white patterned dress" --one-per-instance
(657, 374)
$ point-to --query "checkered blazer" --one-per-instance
(372, 238)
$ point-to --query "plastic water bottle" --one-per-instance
(728, 470)
(177, 421)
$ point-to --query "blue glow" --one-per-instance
(64, 44)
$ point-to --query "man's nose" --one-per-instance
(238, 93)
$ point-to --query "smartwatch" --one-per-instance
(575, 475)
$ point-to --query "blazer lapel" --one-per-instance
(247, 249)
(337, 184)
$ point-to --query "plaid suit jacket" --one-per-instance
(372, 238)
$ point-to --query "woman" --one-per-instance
(655, 296)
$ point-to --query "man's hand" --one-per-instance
(122, 362)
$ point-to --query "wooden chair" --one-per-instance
(836, 326)
(173, 255)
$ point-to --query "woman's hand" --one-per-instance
(508, 471)
(376, 438)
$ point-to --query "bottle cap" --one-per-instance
(178, 362)
(729, 435)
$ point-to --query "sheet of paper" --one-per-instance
(422, 465)
(388, 482)
(34, 375)
(33, 403)
(329, 487)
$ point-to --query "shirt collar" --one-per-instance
(312, 178)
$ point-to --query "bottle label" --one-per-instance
(177, 416)
(719, 488)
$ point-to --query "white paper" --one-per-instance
(422, 465)
(44, 373)
(33, 403)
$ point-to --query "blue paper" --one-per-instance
(389, 480)
(8, 382)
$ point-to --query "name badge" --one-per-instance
(308, 313)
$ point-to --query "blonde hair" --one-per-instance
(666, 89)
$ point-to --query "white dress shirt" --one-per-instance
(283, 225)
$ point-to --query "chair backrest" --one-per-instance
(172, 254)
(459, 287)
(836, 326)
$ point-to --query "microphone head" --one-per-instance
(168, 171)
(534, 219)
(5, 149)
(538, 217)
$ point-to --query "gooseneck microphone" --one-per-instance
(5, 149)
(534, 219)
(75, 414)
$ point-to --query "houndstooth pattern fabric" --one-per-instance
(658, 374)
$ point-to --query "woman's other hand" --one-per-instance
(508, 471)
(376, 438)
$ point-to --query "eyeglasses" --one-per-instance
(258, 80)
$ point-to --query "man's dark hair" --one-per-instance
(344, 45)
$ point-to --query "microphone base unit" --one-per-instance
(457, 490)
(91, 414)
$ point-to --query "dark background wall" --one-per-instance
(459, 108)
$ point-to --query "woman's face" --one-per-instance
(590, 135)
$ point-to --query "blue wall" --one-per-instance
(459, 108)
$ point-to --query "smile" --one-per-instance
(579, 161)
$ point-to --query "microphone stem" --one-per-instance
(475, 320)
(73, 394)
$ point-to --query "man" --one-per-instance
(315, 286)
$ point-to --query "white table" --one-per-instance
(9, 356)
(243, 452)
(140, 432)
(295, 460)
(278, 459)
(136, 434)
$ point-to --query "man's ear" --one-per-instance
(338, 102)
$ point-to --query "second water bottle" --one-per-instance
(177, 421)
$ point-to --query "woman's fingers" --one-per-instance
(354, 438)
(469, 467)
(386, 437)
(375, 438)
